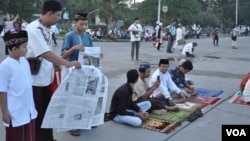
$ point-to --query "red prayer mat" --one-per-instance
(238, 99)
(204, 99)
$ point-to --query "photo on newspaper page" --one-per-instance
(90, 57)
(79, 101)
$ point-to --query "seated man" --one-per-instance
(246, 92)
(178, 76)
(123, 109)
(244, 81)
(143, 91)
(167, 84)
(188, 49)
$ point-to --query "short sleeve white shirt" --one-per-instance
(39, 42)
(135, 26)
(16, 82)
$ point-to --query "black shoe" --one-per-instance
(192, 117)
(169, 52)
(198, 113)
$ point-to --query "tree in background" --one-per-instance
(25, 8)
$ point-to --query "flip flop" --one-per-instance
(75, 132)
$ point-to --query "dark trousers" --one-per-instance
(135, 45)
(170, 43)
(21, 133)
(42, 98)
(216, 40)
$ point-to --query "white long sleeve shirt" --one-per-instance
(166, 84)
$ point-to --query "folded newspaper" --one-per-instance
(80, 100)
(91, 56)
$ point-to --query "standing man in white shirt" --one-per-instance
(135, 30)
(188, 49)
(40, 44)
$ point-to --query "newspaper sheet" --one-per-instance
(79, 102)
(91, 56)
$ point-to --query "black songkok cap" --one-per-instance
(15, 38)
(164, 61)
(52, 5)
(81, 16)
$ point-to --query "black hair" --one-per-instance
(143, 70)
(132, 76)
(136, 18)
(187, 65)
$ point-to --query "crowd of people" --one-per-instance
(27, 95)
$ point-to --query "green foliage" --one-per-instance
(25, 8)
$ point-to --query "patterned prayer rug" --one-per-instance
(204, 99)
(158, 125)
(209, 92)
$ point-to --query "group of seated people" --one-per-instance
(132, 101)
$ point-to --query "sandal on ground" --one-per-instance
(198, 113)
(192, 117)
(75, 132)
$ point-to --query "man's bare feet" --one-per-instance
(173, 108)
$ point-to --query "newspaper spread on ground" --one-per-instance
(79, 102)
(91, 56)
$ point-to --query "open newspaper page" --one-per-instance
(102, 99)
(90, 57)
(79, 101)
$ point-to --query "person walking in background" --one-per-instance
(135, 30)
(159, 35)
(198, 32)
(235, 33)
(179, 38)
(16, 97)
(54, 31)
(215, 35)
(171, 35)
(40, 44)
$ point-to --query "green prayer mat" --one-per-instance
(177, 117)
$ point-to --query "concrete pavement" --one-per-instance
(219, 68)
